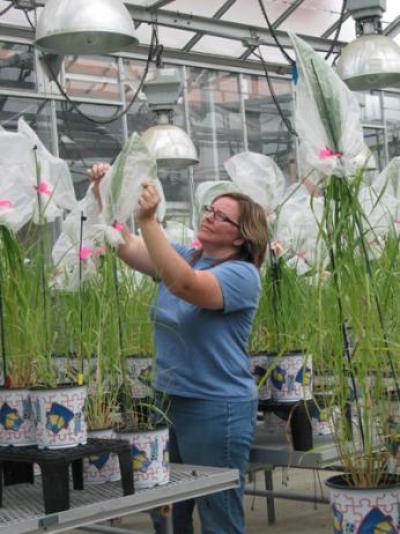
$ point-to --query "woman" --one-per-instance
(202, 321)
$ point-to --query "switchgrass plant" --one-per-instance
(354, 332)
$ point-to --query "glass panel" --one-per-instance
(371, 110)
(266, 131)
(99, 66)
(205, 8)
(250, 13)
(83, 143)
(92, 77)
(35, 112)
(375, 139)
(215, 120)
(392, 116)
(17, 66)
(93, 89)
(15, 16)
(313, 17)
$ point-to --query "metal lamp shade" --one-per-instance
(84, 27)
(171, 146)
(370, 62)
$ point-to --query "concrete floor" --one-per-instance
(292, 517)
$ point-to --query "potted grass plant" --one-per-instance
(143, 421)
(356, 322)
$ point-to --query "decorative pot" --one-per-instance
(258, 368)
(103, 467)
(59, 417)
(364, 510)
(291, 377)
(16, 418)
(150, 456)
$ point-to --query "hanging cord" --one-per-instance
(82, 220)
(338, 29)
(7, 9)
(154, 52)
(285, 120)
(273, 34)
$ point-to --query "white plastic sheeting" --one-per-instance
(258, 176)
(327, 118)
(32, 180)
(120, 192)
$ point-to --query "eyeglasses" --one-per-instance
(218, 215)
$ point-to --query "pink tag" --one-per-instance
(326, 153)
(43, 188)
(5, 204)
(85, 254)
(196, 244)
(118, 226)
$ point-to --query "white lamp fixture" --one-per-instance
(372, 60)
(170, 145)
(84, 27)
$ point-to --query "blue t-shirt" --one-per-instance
(202, 353)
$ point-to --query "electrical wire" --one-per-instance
(153, 54)
(285, 120)
(338, 29)
(273, 34)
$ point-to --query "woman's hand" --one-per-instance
(96, 174)
(148, 203)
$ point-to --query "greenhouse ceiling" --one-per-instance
(224, 32)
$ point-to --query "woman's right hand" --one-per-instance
(96, 174)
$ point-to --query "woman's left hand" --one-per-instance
(148, 203)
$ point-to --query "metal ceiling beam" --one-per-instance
(158, 4)
(25, 35)
(221, 28)
(393, 28)
(286, 14)
(217, 15)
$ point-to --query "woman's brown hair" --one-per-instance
(252, 227)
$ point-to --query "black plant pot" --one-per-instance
(301, 428)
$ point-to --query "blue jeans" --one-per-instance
(216, 433)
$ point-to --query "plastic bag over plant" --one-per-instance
(297, 231)
(327, 118)
(206, 192)
(32, 180)
(53, 170)
(389, 179)
(179, 232)
(258, 176)
(121, 187)
(381, 212)
(119, 191)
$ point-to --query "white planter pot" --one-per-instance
(150, 457)
(258, 368)
(291, 377)
(59, 417)
(139, 369)
(356, 510)
(104, 467)
(16, 419)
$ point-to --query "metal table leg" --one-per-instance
(269, 485)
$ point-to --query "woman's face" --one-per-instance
(220, 225)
